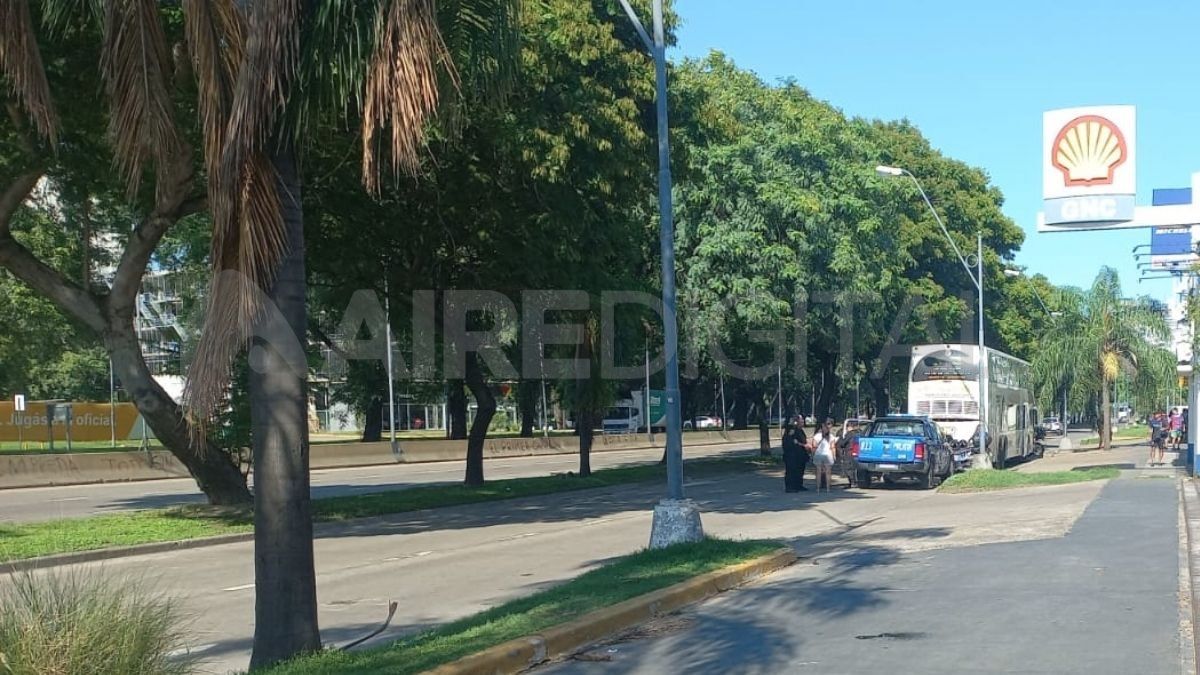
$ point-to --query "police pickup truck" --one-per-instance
(902, 446)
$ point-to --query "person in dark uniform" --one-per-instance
(795, 457)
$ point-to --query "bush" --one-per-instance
(81, 623)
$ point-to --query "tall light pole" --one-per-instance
(676, 519)
(387, 332)
(977, 279)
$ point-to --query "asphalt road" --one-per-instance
(69, 501)
(448, 563)
(1102, 599)
(72, 501)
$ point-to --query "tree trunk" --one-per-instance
(1105, 416)
(741, 410)
(373, 421)
(109, 315)
(485, 404)
(285, 585)
(456, 405)
(880, 396)
(219, 478)
(827, 392)
(527, 399)
(764, 437)
(586, 434)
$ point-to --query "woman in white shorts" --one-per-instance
(823, 455)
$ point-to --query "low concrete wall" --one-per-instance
(97, 467)
(103, 467)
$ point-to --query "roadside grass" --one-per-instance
(1135, 432)
(621, 580)
(996, 479)
(28, 540)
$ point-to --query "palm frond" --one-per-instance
(58, 15)
(248, 228)
(401, 85)
(216, 44)
(136, 65)
(483, 38)
(21, 67)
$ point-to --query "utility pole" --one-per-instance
(676, 520)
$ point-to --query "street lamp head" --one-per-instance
(889, 170)
(1012, 273)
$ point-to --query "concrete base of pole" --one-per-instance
(1065, 443)
(676, 521)
(397, 453)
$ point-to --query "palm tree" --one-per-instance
(266, 71)
(1100, 335)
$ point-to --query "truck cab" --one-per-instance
(902, 446)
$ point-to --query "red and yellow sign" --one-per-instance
(89, 422)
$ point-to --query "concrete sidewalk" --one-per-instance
(1102, 599)
(445, 564)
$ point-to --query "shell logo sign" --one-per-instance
(1088, 150)
(1089, 167)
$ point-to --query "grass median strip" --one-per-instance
(626, 578)
(993, 479)
(20, 541)
(1136, 432)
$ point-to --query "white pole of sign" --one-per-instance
(19, 407)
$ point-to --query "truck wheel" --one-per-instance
(925, 480)
(862, 479)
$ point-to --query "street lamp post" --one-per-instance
(676, 520)
(976, 278)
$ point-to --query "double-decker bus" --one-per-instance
(943, 384)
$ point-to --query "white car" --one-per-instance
(1052, 425)
(703, 422)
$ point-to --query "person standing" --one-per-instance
(795, 457)
(823, 454)
(1176, 426)
(1157, 435)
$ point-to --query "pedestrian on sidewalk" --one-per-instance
(795, 457)
(1158, 435)
(1176, 426)
(823, 454)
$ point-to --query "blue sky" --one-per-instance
(976, 77)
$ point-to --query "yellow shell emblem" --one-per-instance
(1088, 150)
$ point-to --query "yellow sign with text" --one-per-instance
(89, 422)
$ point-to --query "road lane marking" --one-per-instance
(238, 588)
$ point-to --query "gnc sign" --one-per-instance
(1089, 168)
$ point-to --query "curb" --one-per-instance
(521, 654)
(120, 552)
(1191, 516)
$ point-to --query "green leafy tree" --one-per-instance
(49, 236)
(1101, 335)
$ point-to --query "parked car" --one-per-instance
(902, 446)
(703, 422)
(1052, 425)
